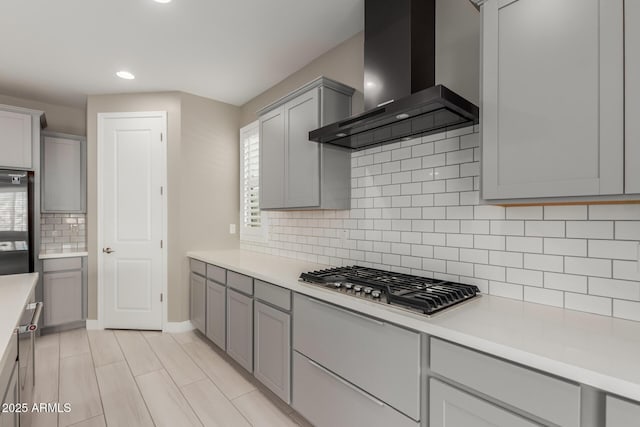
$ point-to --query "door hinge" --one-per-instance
(161, 137)
(161, 297)
(161, 244)
(161, 191)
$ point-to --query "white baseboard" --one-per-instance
(93, 324)
(176, 327)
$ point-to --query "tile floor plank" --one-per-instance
(167, 405)
(104, 347)
(79, 387)
(221, 372)
(47, 374)
(176, 362)
(138, 353)
(261, 412)
(121, 399)
(73, 343)
(211, 406)
(185, 337)
(92, 422)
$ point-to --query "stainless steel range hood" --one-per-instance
(401, 98)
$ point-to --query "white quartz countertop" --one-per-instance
(62, 255)
(600, 351)
(14, 293)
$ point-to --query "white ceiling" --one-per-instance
(62, 50)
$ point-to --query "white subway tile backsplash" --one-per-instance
(614, 249)
(460, 131)
(590, 229)
(588, 303)
(544, 296)
(416, 209)
(573, 247)
(565, 282)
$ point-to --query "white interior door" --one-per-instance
(131, 156)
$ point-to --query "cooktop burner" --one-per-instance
(417, 293)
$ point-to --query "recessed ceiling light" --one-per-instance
(162, 1)
(125, 75)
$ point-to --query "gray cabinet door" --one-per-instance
(552, 83)
(450, 407)
(622, 413)
(272, 349)
(240, 328)
(198, 302)
(63, 173)
(15, 139)
(632, 95)
(302, 185)
(216, 313)
(272, 159)
(9, 394)
(62, 294)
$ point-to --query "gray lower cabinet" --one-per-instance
(450, 407)
(327, 400)
(240, 328)
(296, 172)
(622, 413)
(217, 313)
(198, 285)
(272, 349)
(63, 288)
(9, 394)
(63, 173)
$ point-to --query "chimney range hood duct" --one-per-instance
(400, 95)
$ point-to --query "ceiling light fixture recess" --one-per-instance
(162, 1)
(125, 75)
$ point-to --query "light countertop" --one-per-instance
(62, 255)
(600, 351)
(14, 293)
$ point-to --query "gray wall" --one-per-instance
(59, 117)
(202, 181)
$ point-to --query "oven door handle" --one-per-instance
(33, 325)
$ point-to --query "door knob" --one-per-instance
(107, 250)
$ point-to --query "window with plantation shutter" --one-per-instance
(252, 226)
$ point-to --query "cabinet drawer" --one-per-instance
(240, 282)
(61, 264)
(327, 400)
(280, 297)
(622, 413)
(198, 267)
(544, 396)
(377, 357)
(216, 274)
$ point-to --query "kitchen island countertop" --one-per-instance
(14, 293)
(599, 351)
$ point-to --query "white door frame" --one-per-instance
(101, 118)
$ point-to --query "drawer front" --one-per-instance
(327, 400)
(61, 264)
(378, 357)
(280, 297)
(216, 274)
(240, 282)
(544, 396)
(622, 413)
(450, 407)
(198, 267)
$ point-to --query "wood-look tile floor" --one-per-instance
(133, 378)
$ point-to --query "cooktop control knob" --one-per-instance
(348, 285)
(337, 285)
(357, 288)
(375, 294)
(368, 290)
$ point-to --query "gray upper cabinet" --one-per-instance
(552, 98)
(217, 313)
(632, 95)
(296, 173)
(622, 413)
(19, 128)
(272, 349)
(198, 302)
(240, 328)
(450, 407)
(64, 173)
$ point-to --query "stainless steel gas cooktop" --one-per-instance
(415, 293)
